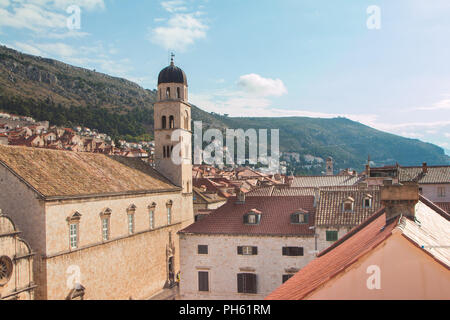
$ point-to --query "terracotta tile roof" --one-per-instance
(209, 197)
(435, 174)
(324, 181)
(430, 234)
(275, 217)
(444, 205)
(330, 211)
(56, 173)
(281, 191)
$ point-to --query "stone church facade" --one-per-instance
(16, 263)
(105, 227)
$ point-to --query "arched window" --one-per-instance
(74, 222)
(178, 93)
(186, 120)
(105, 216)
(163, 122)
(171, 122)
(167, 93)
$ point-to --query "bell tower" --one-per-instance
(172, 124)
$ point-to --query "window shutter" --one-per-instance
(251, 283)
(294, 218)
(306, 217)
(255, 251)
(245, 219)
(285, 251)
(239, 250)
(300, 251)
(240, 283)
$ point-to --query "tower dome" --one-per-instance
(172, 74)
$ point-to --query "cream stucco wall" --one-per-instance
(430, 191)
(406, 272)
(223, 264)
(322, 242)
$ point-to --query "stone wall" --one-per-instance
(223, 264)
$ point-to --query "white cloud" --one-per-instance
(443, 104)
(254, 84)
(174, 6)
(4, 3)
(181, 31)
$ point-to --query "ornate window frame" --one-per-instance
(73, 222)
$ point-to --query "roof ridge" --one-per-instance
(435, 207)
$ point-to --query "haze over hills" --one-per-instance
(65, 95)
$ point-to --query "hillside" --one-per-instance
(47, 89)
(347, 141)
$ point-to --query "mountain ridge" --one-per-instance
(48, 89)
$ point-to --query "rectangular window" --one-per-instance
(441, 192)
(73, 235)
(202, 249)
(152, 219)
(105, 229)
(293, 251)
(332, 235)
(286, 277)
(203, 281)
(367, 203)
(299, 218)
(131, 223)
(247, 250)
(247, 283)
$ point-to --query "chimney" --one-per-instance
(399, 199)
(240, 196)
(424, 167)
(316, 197)
(290, 179)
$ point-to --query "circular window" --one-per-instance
(6, 267)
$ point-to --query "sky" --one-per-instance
(384, 63)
